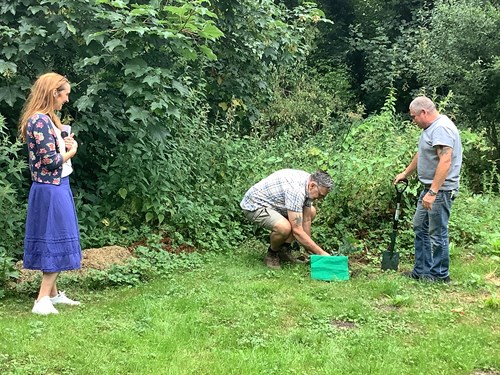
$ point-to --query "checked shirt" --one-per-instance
(284, 190)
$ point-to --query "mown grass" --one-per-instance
(234, 316)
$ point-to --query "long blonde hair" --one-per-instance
(42, 100)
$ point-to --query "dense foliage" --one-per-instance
(451, 56)
(414, 45)
(141, 93)
(180, 106)
(12, 211)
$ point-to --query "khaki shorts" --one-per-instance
(265, 217)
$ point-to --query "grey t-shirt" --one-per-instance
(442, 132)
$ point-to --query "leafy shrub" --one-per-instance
(479, 173)
(12, 211)
(474, 222)
(7, 270)
(306, 100)
(259, 39)
(12, 208)
(363, 156)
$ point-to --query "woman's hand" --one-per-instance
(71, 143)
(68, 141)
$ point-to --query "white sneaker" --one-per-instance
(44, 307)
(61, 298)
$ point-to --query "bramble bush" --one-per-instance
(362, 160)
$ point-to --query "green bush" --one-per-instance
(474, 222)
(306, 100)
(363, 156)
(12, 206)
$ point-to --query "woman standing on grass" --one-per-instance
(52, 239)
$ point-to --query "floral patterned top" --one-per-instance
(45, 160)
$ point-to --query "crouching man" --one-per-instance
(282, 203)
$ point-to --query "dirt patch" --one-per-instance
(104, 257)
(492, 278)
(343, 324)
(99, 259)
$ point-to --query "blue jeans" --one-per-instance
(432, 255)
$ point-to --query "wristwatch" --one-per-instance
(432, 192)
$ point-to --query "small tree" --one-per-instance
(458, 51)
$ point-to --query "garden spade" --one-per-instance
(390, 259)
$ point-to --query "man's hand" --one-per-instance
(428, 201)
(296, 222)
(399, 177)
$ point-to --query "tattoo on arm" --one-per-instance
(298, 220)
(443, 150)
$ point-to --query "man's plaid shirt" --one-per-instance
(284, 190)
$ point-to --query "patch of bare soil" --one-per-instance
(104, 257)
(343, 324)
(99, 259)
(492, 278)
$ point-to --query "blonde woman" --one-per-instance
(52, 239)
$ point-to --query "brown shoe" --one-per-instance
(285, 255)
(272, 260)
(303, 258)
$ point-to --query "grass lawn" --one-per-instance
(234, 316)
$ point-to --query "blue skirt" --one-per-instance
(52, 240)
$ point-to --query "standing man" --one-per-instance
(282, 203)
(438, 162)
